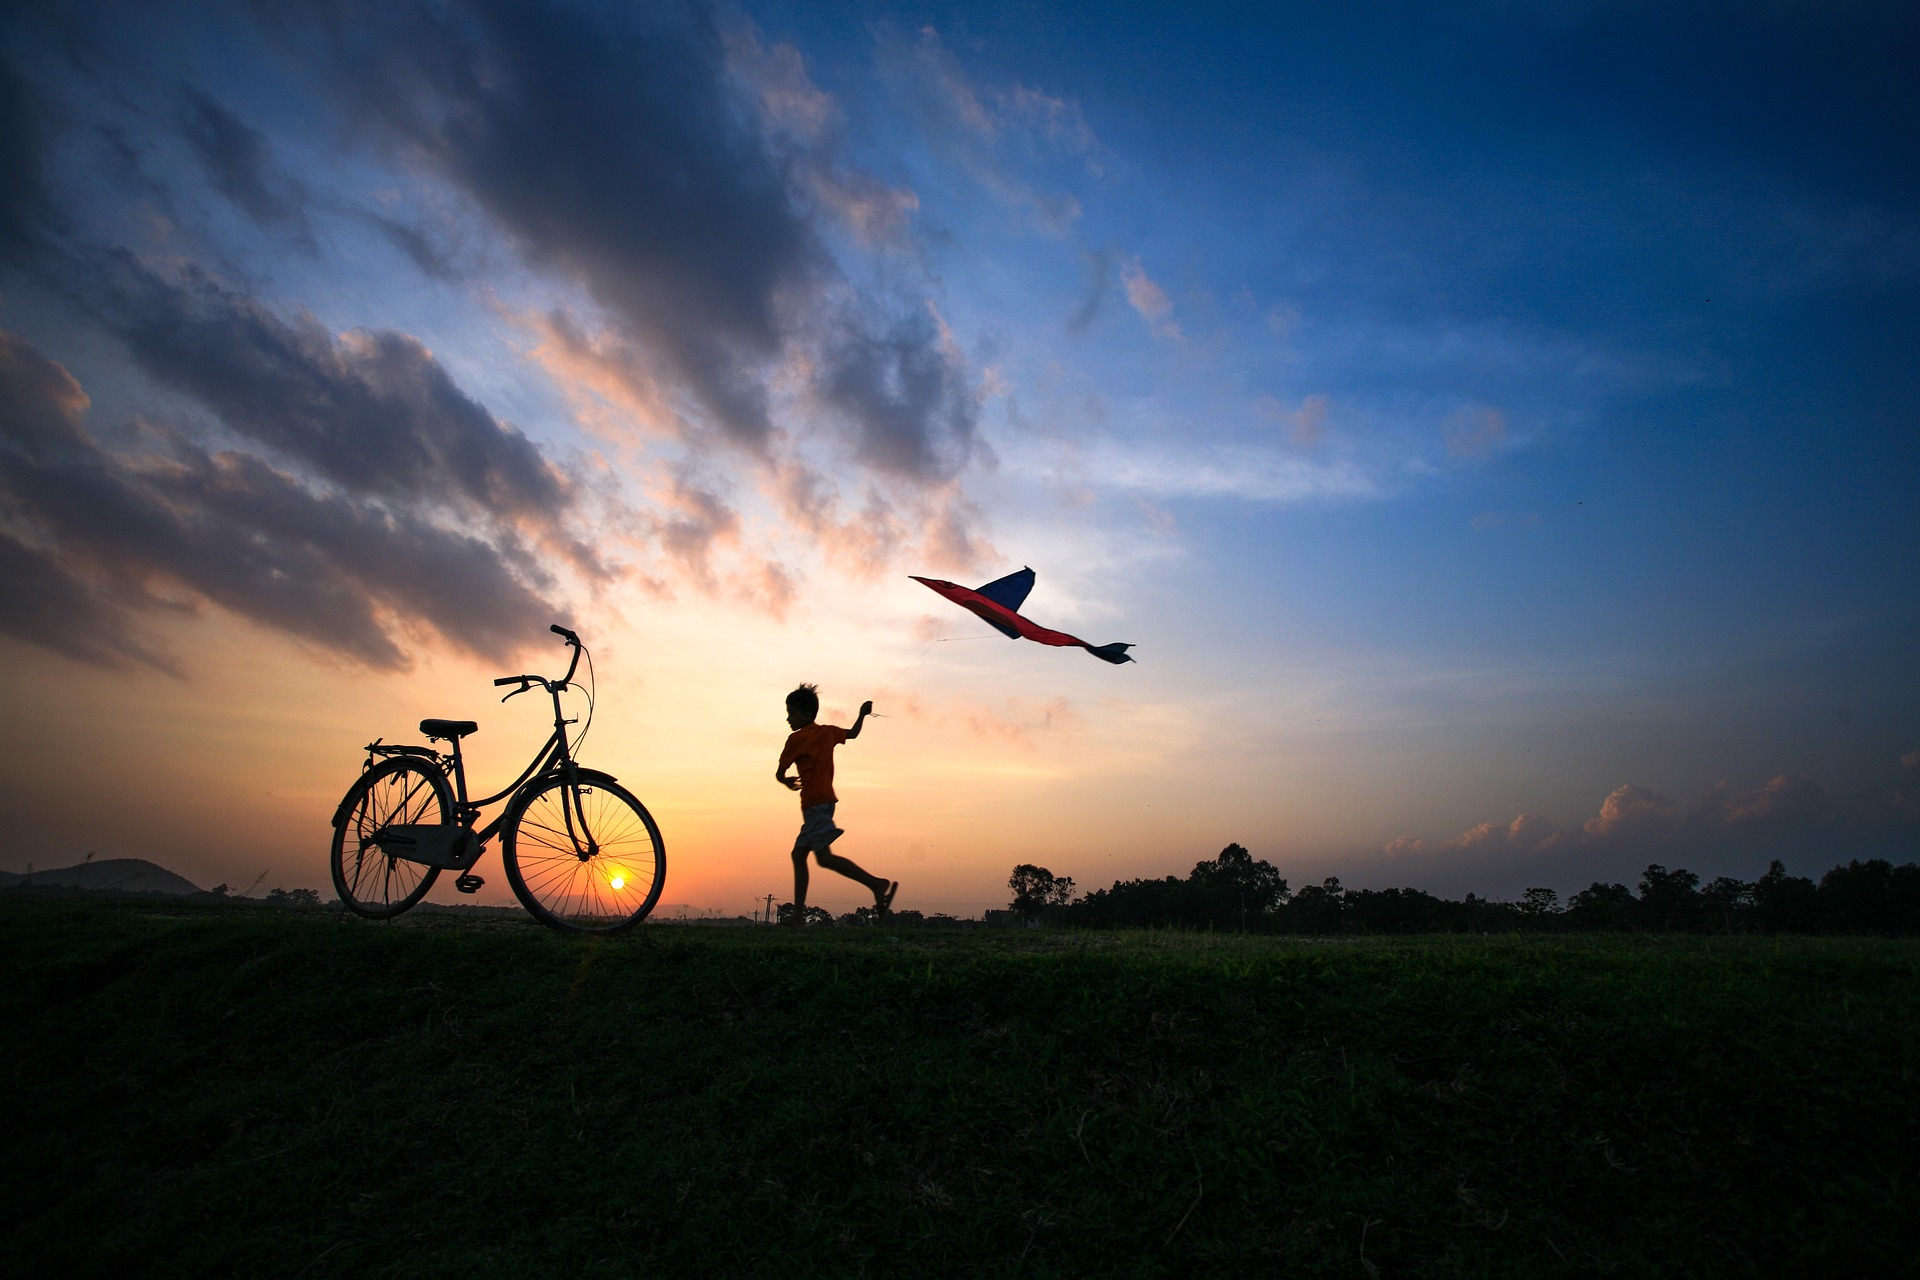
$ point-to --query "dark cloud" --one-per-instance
(372, 412)
(430, 257)
(100, 538)
(608, 145)
(42, 604)
(906, 397)
(240, 165)
(620, 149)
(23, 194)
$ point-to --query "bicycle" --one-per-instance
(580, 852)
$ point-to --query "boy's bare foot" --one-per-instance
(883, 898)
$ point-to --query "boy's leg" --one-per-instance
(799, 882)
(853, 871)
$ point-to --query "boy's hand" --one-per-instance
(866, 708)
(791, 784)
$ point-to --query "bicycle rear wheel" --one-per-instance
(370, 881)
(583, 856)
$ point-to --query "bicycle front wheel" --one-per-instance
(583, 855)
(370, 881)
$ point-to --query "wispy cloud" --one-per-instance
(1248, 472)
(239, 161)
(803, 124)
(992, 133)
(1149, 299)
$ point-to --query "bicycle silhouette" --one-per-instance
(580, 852)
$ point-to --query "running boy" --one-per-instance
(810, 749)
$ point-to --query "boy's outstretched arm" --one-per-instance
(866, 709)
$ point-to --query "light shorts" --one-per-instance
(816, 828)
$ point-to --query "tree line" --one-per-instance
(1236, 893)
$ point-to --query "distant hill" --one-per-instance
(118, 875)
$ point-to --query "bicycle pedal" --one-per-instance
(468, 884)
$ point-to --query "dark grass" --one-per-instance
(213, 1090)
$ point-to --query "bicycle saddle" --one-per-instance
(449, 729)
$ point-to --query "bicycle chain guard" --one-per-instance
(437, 844)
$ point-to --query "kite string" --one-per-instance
(915, 661)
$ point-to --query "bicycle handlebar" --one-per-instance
(573, 641)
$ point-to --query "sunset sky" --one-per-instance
(1497, 428)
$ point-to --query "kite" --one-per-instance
(997, 604)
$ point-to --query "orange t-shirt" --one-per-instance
(810, 749)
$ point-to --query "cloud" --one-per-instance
(1149, 299)
(1729, 828)
(699, 523)
(937, 527)
(239, 162)
(862, 542)
(1004, 113)
(1097, 266)
(985, 132)
(678, 175)
(678, 187)
(104, 539)
(1247, 472)
(369, 411)
(906, 397)
(1058, 120)
(1017, 720)
(1306, 426)
(609, 147)
(1474, 432)
(24, 204)
(803, 125)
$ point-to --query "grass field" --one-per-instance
(213, 1090)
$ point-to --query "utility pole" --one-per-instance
(768, 917)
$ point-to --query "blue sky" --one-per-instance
(1471, 413)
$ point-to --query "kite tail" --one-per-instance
(1115, 653)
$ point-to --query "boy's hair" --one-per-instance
(806, 698)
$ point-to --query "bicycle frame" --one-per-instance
(554, 757)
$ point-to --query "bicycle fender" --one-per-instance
(584, 775)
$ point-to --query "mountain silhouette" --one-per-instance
(116, 875)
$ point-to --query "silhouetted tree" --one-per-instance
(1235, 891)
(1668, 899)
(1402, 911)
(1232, 890)
(1873, 896)
(1727, 904)
(1601, 906)
(1539, 902)
(1784, 903)
(1036, 888)
(1317, 908)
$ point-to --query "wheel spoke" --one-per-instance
(543, 855)
(368, 879)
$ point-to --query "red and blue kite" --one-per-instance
(997, 604)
